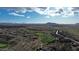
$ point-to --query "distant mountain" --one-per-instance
(51, 24)
(77, 23)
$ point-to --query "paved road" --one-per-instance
(59, 35)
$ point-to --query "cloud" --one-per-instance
(47, 17)
(38, 10)
(28, 17)
(47, 11)
(21, 9)
(15, 14)
(55, 11)
(67, 11)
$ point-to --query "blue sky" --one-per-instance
(61, 15)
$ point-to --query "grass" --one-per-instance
(73, 31)
(45, 38)
(3, 45)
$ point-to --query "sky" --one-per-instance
(60, 15)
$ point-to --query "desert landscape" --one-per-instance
(39, 28)
(39, 37)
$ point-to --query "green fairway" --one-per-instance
(3, 45)
(45, 38)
